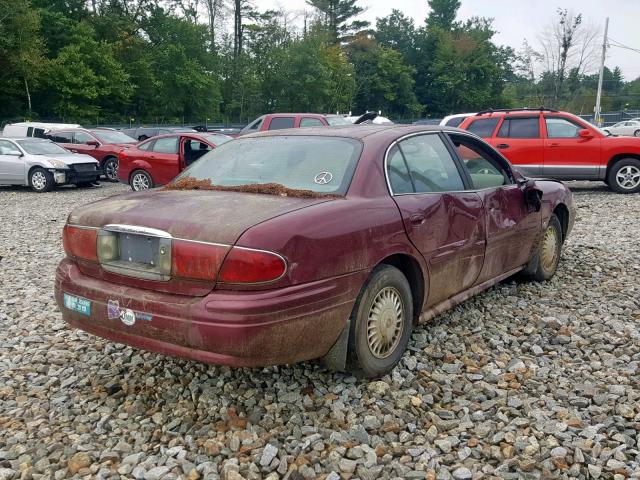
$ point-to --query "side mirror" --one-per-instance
(532, 194)
(93, 143)
(585, 133)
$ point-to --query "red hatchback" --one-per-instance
(158, 160)
(551, 144)
(102, 144)
(287, 246)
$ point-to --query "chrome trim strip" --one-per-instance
(136, 230)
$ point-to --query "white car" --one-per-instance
(454, 120)
(629, 128)
(33, 129)
(41, 165)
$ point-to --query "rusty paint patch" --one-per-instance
(190, 183)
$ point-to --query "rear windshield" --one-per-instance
(218, 139)
(318, 164)
(109, 136)
(41, 147)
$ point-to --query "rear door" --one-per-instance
(164, 159)
(519, 139)
(12, 164)
(566, 154)
(443, 221)
(511, 228)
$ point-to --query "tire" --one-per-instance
(111, 169)
(40, 180)
(140, 180)
(387, 289)
(624, 176)
(544, 263)
(636, 133)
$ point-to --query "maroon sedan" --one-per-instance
(287, 246)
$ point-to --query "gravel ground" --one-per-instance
(524, 381)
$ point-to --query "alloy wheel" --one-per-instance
(385, 322)
(628, 177)
(111, 170)
(140, 182)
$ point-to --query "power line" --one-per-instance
(618, 44)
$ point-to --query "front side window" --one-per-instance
(430, 166)
(520, 127)
(561, 128)
(279, 123)
(310, 122)
(61, 137)
(316, 163)
(484, 127)
(166, 145)
(81, 138)
(484, 168)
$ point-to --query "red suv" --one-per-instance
(279, 121)
(160, 159)
(102, 144)
(553, 144)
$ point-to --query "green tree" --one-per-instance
(443, 13)
(397, 31)
(337, 17)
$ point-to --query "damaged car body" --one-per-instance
(287, 246)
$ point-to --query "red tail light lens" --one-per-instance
(80, 242)
(199, 261)
(244, 265)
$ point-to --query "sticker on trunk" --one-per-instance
(77, 304)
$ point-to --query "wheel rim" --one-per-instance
(385, 322)
(636, 133)
(39, 180)
(111, 170)
(549, 254)
(140, 182)
(628, 177)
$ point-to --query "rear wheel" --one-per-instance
(40, 180)
(140, 180)
(111, 169)
(381, 323)
(624, 176)
(545, 261)
(636, 133)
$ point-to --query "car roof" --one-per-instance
(357, 132)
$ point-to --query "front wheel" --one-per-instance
(40, 180)
(545, 261)
(111, 169)
(381, 323)
(141, 180)
(636, 133)
(624, 176)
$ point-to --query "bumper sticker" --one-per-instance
(126, 315)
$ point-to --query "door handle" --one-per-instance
(554, 144)
(417, 219)
(502, 145)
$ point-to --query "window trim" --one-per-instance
(454, 158)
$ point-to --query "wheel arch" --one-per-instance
(412, 270)
(616, 158)
(562, 212)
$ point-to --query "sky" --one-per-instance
(516, 20)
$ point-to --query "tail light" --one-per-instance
(245, 265)
(200, 261)
(80, 242)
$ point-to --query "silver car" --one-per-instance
(41, 164)
(628, 128)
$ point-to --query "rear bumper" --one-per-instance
(237, 328)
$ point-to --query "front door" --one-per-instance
(12, 164)
(566, 154)
(511, 228)
(164, 159)
(443, 221)
(518, 138)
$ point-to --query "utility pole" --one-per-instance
(598, 117)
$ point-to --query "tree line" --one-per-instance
(173, 61)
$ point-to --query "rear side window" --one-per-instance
(278, 123)
(62, 137)
(527, 127)
(430, 166)
(561, 128)
(484, 127)
(455, 121)
(309, 122)
(145, 146)
(398, 172)
(166, 145)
